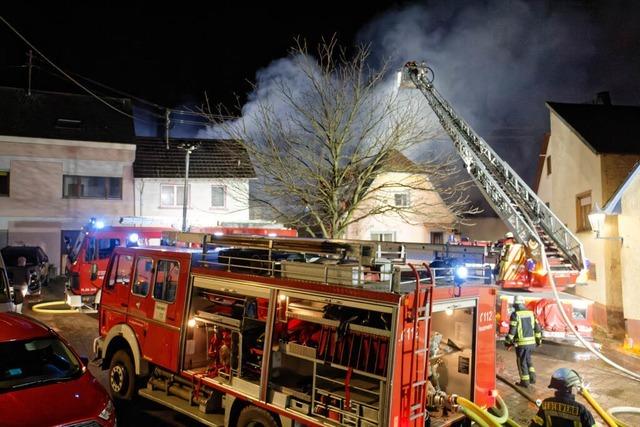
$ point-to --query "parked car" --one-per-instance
(44, 382)
(27, 268)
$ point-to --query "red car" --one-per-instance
(43, 382)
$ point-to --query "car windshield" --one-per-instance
(76, 247)
(11, 255)
(38, 361)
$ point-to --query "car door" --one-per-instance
(165, 310)
(115, 292)
(137, 309)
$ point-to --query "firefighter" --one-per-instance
(524, 334)
(562, 409)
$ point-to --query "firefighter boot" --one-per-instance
(532, 375)
(523, 384)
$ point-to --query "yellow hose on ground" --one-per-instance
(501, 411)
(622, 410)
(606, 417)
(512, 423)
(489, 419)
(39, 308)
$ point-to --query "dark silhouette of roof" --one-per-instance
(68, 116)
(603, 128)
(212, 159)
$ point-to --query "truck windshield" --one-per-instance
(35, 362)
(73, 255)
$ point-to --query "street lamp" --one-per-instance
(596, 219)
(188, 148)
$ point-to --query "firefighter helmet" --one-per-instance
(519, 299)
(564, 379)
(508, 235)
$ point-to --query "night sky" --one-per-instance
(497, 62)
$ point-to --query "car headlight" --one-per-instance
(108, 411)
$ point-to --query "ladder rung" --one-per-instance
(421, 350)
(422, 318)
(419, 383)
(415, 407)
(414, 416)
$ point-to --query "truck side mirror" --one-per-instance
(94, 271)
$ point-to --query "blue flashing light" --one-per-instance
(99, 225)
(133, 237)
(462, 272)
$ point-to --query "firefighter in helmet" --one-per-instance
(562, 409)
(525, 335)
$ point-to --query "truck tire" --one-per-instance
(122, 377)
(252, 416)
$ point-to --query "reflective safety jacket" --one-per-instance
(523, 329)
(562, 410)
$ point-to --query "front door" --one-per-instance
(156, 307)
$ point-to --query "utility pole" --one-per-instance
(30, 67)
(188, 148)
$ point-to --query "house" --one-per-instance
(624, 206)
(217, 189)
(63, 159)
(411, 208)
(587, 157)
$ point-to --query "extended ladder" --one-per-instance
(531, 221)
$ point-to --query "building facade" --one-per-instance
(590, 151)
(217, 188)
(63, 159)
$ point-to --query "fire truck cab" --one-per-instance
(346, 339)
(89, 256)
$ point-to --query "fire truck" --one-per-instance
(88, 257)
(320, 332)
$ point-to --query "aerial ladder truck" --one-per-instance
(543, 248)
(534, 226)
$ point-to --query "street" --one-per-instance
(608, 387)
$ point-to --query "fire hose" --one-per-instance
(40, 308)
(623, 410)
(571, 326)
(482, 416)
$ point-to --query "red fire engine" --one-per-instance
(319, 332)
(88, 257)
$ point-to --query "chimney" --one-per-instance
(603, 98)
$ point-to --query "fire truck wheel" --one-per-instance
(252, 416)
(121, 376)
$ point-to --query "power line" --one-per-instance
(80, 85)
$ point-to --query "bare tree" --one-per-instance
(322, 142)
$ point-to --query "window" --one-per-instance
(4, 183)
(103, 250)
(548, 165)
(437, 237)
(120, 270)
(91, 187)
(144, 273)
(172, 196)
(383, 237)
(166, 283)
(401, 200)
(218, 196)
(583, 207)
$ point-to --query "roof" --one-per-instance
(18, 327)
(398, 162)
(66, 116)
(541, 159)
(212, 159)
(610, 129)
(613, 204)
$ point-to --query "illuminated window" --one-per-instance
(172, 196)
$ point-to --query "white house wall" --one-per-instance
(200, 212)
